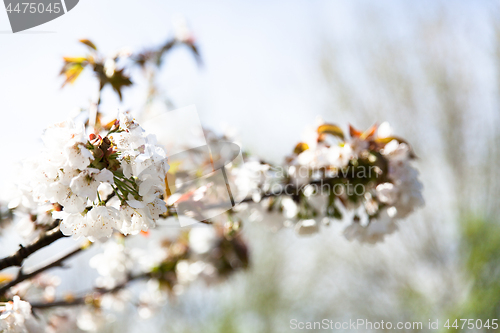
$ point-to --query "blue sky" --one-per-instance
(261, 72)
(257, 73)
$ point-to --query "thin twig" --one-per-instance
(24, 252)
(90, 294)
(21, 276)
(44, 240)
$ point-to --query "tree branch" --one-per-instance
(44, 240)
(21, 276)
(24, 252)
(83, 299)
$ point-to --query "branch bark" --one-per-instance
(44, 240)
(83, 299)
(24, 252)
(21, 276)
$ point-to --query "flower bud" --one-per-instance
(98, 153)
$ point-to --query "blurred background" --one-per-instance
(270, 68)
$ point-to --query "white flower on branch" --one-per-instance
(97, 224)
(86, 183)
(16, 317)
(73, 172)
(202, 239)
(250, 177)
(113, 265)
(405, 179)
(65, 145)
(386, 193)
(375, 231)
(135, 220)
(370, 171)
(307, 227)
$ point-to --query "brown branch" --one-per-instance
(21, 276)
(90, 294)
(76, 301)
(24, 252)
(44, 240)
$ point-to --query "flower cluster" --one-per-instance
(32, 219)
(368, 173)
(16, 317)
(78, 174)
(366, 177)
(113, 265)
(208, 252)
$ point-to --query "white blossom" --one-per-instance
(75, 172)
(307, 227)
(86, 183)
(96, 224)
(16, 317)
(375, 231)
(135, 220)
(250, 176)
(386, 193)
(202, 239)
(113, 265)
(399, 194)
